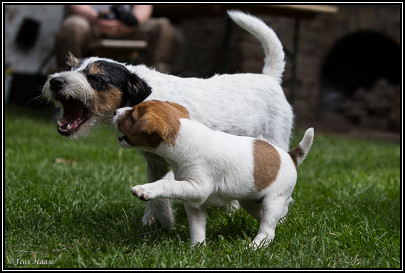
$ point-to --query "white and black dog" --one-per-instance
(241, 104)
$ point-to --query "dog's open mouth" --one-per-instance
(75, 114)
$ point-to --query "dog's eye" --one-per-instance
(97, 81)
(96, 77)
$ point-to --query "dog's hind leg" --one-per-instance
(273, 209)
(197, 219)
(158, 209)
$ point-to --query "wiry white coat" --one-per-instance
(255, 104)
(255, 100)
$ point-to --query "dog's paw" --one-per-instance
(142, 193)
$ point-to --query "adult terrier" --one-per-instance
(241, 104)
(212, 168)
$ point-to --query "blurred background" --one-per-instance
(344, 62)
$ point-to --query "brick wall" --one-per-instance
(203, 40)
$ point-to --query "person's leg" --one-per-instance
(74, 36)
(162, 42)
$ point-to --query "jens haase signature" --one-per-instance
(31, 262)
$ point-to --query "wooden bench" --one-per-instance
(120, 50)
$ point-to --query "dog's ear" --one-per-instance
(72, 61)
(138, 89)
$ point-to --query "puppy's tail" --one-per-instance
(273, 49)
(299, 153)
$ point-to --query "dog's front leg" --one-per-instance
(185, 190)
(158, 209)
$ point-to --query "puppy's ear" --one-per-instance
(157, 121)
(180, 111)
(72, 61)
(157, 128)
(148, 133)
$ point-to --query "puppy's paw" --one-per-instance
(141, 192)
(261, 241)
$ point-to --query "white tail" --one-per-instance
(299, 153)
(273, 49)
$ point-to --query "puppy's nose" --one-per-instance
(56, 83)
(115, 113)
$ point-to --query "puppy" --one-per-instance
(212, 168)
(241, 104)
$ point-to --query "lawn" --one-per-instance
(67, 204)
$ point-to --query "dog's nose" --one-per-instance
(56, 83)
(115, 113)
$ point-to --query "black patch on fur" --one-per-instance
(134, 89)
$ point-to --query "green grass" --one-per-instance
(68, 205)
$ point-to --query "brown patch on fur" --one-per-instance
(107, 101)
(152, 122)
(95, 69)
(267, 164)
(295, 153)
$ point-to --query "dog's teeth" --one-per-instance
(68, 127)
(59, 123)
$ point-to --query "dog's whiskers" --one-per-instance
(36, 99)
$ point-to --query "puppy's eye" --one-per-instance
(129, 117)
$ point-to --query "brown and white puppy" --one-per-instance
(212, 168)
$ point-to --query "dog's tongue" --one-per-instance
(66, 126)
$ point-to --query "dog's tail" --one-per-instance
(273, 49)
(299, 153)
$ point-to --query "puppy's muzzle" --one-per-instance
(123, 140)
(119, 112)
